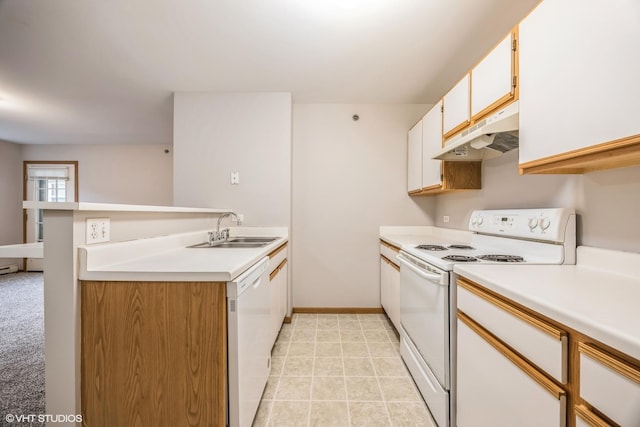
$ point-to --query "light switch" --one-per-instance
(235, 178)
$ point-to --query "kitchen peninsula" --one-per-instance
(148, 247)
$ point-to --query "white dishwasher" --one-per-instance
(249, 350)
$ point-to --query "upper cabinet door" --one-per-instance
(492, 80)
(414, 158)
(579, 91)
(456, 108)
(431, 144)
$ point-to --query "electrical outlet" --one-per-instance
(445, 219)
(98, 230)
(235, 178)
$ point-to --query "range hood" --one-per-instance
(488, 138)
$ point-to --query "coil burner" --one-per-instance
(465, 247)
(460, 258)
(502, 258)
(431, 247)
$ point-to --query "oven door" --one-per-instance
(424, 313)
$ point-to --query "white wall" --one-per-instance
(134, 174)
(249, 133)
(10, 198)
(607, 202)
(348, 179)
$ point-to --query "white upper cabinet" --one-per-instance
(456, 107)
(579, 90)
(432, 143)
(492, 80)
(414, 158)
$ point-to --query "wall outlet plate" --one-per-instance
(98, 230)
(445, 219)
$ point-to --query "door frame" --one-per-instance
(25, 179)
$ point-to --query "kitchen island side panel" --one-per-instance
(153, 353)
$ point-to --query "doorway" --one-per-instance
(45, 181)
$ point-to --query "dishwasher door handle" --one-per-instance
(432, 277)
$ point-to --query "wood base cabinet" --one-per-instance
(153, 354)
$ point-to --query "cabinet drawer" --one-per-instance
(389, 252)
(276, 257)
(609, 384)
(540, 342)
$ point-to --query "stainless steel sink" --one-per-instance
(252, 239)
(238, 242)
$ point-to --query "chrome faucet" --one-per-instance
(216, 236)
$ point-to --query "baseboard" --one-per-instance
(339, 310)
(287, 319)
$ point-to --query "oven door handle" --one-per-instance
(432, 277)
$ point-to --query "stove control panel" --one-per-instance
(536, 224)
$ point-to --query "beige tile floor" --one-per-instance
(339, 370)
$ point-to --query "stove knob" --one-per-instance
(545, 223)
(480, 220)
(474, 220)
(533, 223)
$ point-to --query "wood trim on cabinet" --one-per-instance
(610, 361)
(535, 374)
(390, 246)
(276, 270)
(456, 176)
(503, 101)
(515, 63)
(459, 127)
(509, 308)
(461, 175)
(278, 249)
(339, 310)
(591, 418)
(153, 351)
(391, 263)
(618, 153)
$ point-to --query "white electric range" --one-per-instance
(428, 291)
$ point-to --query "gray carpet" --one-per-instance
(21, 346)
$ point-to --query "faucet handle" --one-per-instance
(224, 234)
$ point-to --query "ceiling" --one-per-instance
(103, 72)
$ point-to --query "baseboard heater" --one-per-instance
(6, 269)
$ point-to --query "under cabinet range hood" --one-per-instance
(488, 138)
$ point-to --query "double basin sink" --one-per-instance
(238, 242)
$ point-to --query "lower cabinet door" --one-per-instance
(610, 385)
(390, 291)
(497, 388)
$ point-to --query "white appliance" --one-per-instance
(488, 138)
(249, 350)
(428, 291)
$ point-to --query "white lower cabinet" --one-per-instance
(610, 385)
(390, 283)
(495, 387)
(278, 280)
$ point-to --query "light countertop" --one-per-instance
(415, 235)
(22, 250)
(590, 299)
(114, 207)
(168, 258)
